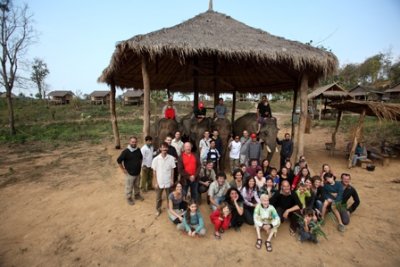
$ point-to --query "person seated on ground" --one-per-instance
(260, 182)
(176, 204)
(204, 146)
(213, 155)
(254, 150)
(235, 202)
(237, 181)
(169, 110)
(263, 112)
(217, 190)
(270, 189)
(193, 223)
(253, 168)
(218, 144)
(221, 219)
(284, 175)
(333, 195)
(348, 192)
(303, 194)
(206, 177)
(234, 152)
(246, 175)
(251, 199)
(266, 168)
(316, 190)
(326, 169)
(200, 112)
(286, 204)
(360, 153)
(306, 226)
(275, 177)
(300, 165)
(220, 110)
(265, 218)
(291, 175)
(301, 177)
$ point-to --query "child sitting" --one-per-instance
(221, 218)
(275, 177)
(306, 226)
(266, 218)
(193, 222)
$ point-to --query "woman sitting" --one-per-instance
(235, 202)
(251, 199)
(176, 205)
(237, 181)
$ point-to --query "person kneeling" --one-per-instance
(193, 223)
(265, 218)
(307, 225)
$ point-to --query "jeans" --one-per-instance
(356, 158)
(194, 189)
(218, 200)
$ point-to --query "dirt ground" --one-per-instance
(65, 206)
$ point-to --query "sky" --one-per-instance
(76, 38)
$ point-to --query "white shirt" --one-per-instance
(204, 146)
(235, 150)
(178, 146)
(163, 168)
(147, 153)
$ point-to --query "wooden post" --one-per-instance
(356, 137)
(146, 100)
(339, 116)
(215, 81)
(195, 83)
(114, 122)
(293, 113)
(233, 108)
(303, 114)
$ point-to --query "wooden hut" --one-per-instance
(392, 94)
(100, 97)
(132, 97)
(213, 53)
(324, 95)
(366, 94)
(60, 97)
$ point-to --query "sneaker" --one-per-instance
(341, 228)
(139, 197)
(130, 201)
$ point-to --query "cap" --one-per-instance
(253, 135)
(201, 105)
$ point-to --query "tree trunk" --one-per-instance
(114, 121)
(339, 116)
(146, 100)
(303, 114)
(10, 113)
(356, 137)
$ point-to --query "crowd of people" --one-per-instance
(259, 194)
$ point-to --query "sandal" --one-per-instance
(217, 236)
(221, 230)
(259, 244)
(268, 246)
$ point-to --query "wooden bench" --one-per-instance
(364, 162)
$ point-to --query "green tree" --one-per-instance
(16, 34)
(394, 72)
(38, 75)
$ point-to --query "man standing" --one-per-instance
(234, 152)
(130, 162)
(255, 150)
(286, 148)
(244, 141)
(189, 168)
(177, 143)
(147, 152)
(163, 172)
(173, 152)
(220, 110)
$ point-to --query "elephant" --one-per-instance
(163, 128)
(224, 128)
(268, 132)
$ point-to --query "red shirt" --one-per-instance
(170, 113)
(189, 163)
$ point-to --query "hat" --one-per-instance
(201, 105)
(253, 135)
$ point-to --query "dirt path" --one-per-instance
(65, 207)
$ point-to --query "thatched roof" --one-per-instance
(362, 91)
(60, 93)
(133, 93)
(331, 91)
(100, 93)
(394, 89)
(378, 109)
(223, 51)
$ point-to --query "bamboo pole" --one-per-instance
(339, 117)
(356, 137)
(303, 114)
(146, 100)
(293, 113)
(114, 122)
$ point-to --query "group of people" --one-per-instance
(258, 194)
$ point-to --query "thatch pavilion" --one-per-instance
(213, 52)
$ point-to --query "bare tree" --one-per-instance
(16, 35)
(38, 75)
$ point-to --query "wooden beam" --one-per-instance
(114, 121)
(215, 82)
(146, 100)
(356, 137)
(338, 119)
(195, 82)
(233, 108)
(303, 114)
(294, 112)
